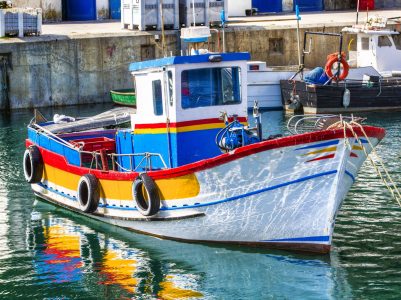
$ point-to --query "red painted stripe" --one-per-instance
(187, 123)
(322, 157)
(353, 154)
(59, 161)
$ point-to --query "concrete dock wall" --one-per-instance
(279, 47)
(78, 71)
(84, 70)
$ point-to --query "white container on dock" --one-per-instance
(237, 8)
(145, 14)
(206, 12)
(20, 21)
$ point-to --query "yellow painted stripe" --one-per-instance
(356, 147)
(325, 150)
(181, 129)
(169, 189)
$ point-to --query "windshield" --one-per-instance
(210, 87)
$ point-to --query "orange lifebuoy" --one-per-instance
(331, 60)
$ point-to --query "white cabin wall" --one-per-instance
(364, 57)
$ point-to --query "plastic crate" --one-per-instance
(206, 12)
(96, 144)
(366, 4)
(20, 21)
(145, 14)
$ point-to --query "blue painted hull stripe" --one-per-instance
(350, 175)
(323, 238)
(69, 197)
(260, 191)
(331, 143)
(214, 202)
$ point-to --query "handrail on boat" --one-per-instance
(298, 124)
(147, 158)
(54, 136)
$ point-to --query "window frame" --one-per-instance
(155, 98)
(219, 86)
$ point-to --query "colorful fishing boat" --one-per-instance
(190, 167)
(125, 97)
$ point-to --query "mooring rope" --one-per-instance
(386, 178)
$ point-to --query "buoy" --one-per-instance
(346, 98)
(333, 59)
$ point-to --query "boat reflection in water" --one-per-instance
(109, 262)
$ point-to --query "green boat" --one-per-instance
(125, 97)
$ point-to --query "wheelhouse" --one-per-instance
(179, 104)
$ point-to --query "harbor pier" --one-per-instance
(80, 62)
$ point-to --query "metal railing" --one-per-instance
(298, 124)
(145, 163)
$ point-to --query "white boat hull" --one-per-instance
(286, 197)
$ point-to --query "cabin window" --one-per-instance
(210, 87)
(157, 97)
(365, 43)
(397, 41)
(384, 41)
(170, 88)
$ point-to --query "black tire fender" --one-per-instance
(88, 193)
(33, 164)
(149, 204)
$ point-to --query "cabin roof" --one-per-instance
(369, 31)
(180, 60)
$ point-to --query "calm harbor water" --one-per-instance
(47, 253)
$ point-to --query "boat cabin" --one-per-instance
(380, 49)
(180, 101)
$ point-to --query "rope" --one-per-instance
(386, 178)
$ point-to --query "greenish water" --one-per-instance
(48, 253)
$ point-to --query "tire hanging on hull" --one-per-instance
(149, 204)
(88, 193)
(33, 165)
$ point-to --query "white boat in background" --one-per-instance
(368, 81)
(264, 84)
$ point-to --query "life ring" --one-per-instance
(149, 204)
(88, 193)
(331, 60)
(33, 165)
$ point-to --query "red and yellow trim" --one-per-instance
(187, 126)
(60, 162)
(181, 187)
